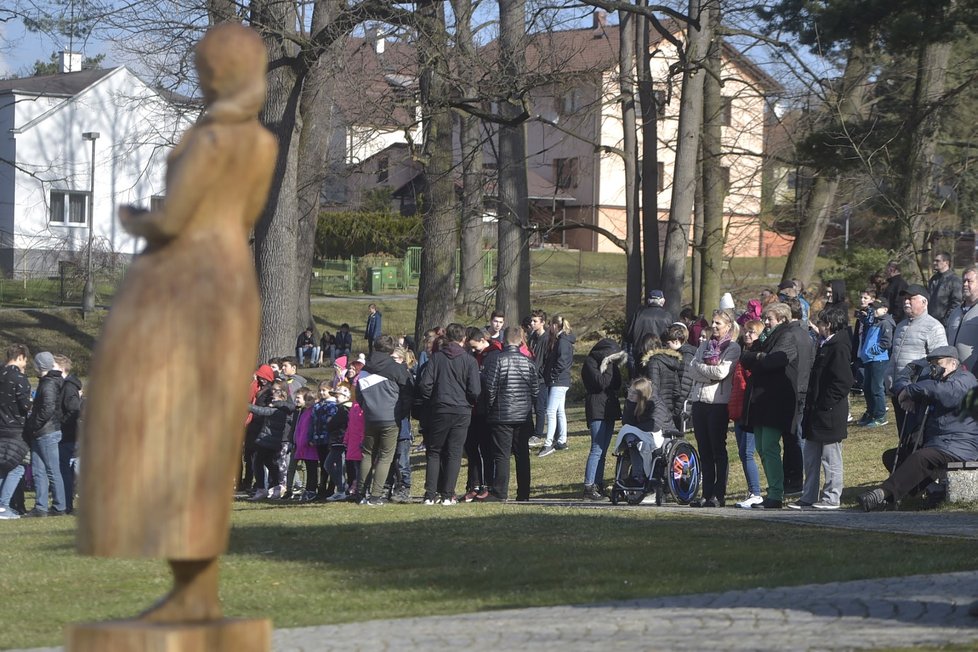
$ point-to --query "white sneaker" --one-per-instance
(275, 493)
(750, 501)
(7, 514)
(452, 500)
(336, 497)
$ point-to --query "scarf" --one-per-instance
(715, 348)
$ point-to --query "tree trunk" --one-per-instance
(684, 177)
(471, 288)
(852, 105)
(696, 268)
(513, 260)
(714, 192)
(275, 232)
(318, 112)
(626, 99)
(918, 178)
(651, 262)
(436, 289)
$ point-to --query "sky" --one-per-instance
(20, 49)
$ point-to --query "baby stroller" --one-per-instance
(654, 463)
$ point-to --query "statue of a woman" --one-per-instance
(169, 382)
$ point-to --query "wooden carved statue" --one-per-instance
(170, 374)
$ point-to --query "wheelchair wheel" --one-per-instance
(683, 472)
(635, 497)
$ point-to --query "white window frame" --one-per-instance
(65, 197)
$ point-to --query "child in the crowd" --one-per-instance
(353, 440)
(644, 409)
(339, 372)
(323, 411)
(874, 352)
(273, 439)
(336, 432)
(663, 365)
(735, 411)
(303, 450)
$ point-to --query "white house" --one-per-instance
(52, 189)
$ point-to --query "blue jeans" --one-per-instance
(8, 484)
(46, 467)
(873, 373)
(540, 427)
(745, 448)
(66, 451)
(601, 432)
(313, 354)
(556, 417)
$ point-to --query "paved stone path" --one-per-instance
(866, 614)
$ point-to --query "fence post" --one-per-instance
(350, 275)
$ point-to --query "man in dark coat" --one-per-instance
(895, 285)
(450, 386)
(15, 403)
(805, 347)
(826, 412)
(538, 340)
(945, 288)
(948, 435)
(653, 318)
(773, 399)
(510, 386)
(374, 328)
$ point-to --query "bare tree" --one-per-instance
(714, 190)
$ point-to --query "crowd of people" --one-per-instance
(779, 373)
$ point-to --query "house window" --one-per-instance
(726, 111)
(69, 208)
(569, 102)
(383, 167)
(660, 176)
(156, 203)
(565, 173)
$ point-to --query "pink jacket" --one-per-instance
(303, 449)
(354, 434)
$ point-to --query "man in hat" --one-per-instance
(933, 391)
(652, 319)
(962, 323)
(914, 338)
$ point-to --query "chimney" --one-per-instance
(70, 61)
(600, 20)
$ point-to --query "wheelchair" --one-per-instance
(646, 466)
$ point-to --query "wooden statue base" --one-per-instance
(225, 635)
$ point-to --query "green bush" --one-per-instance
(856, 267)
(354, 233)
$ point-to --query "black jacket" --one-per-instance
(71, 404)
(15, 402)
(650, 319)
(655, 417)
(602, 381)
(450, 382)
(947, 428)
(13, 450)
(275, 420)
(510, 385)
(827, 403)
(891, 294)
(538, 343)
(385, 389)
(945, 294)
(559, 361)
(45, 416)
(664, 367)
(774, 381)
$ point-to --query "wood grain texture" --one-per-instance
(225, 635)
(169, 384)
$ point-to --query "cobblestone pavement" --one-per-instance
(866, 614)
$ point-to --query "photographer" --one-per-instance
(931, 389)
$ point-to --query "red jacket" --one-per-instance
(735, 408)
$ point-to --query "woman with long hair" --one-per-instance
(557, 367)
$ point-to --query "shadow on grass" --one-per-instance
(509, 556)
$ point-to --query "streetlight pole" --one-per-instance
(88, 294)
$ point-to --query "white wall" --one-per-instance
(137, 129)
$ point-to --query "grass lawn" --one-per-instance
(332, 563)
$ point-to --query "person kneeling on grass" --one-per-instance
(948, 436)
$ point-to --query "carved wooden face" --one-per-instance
(231, 64)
